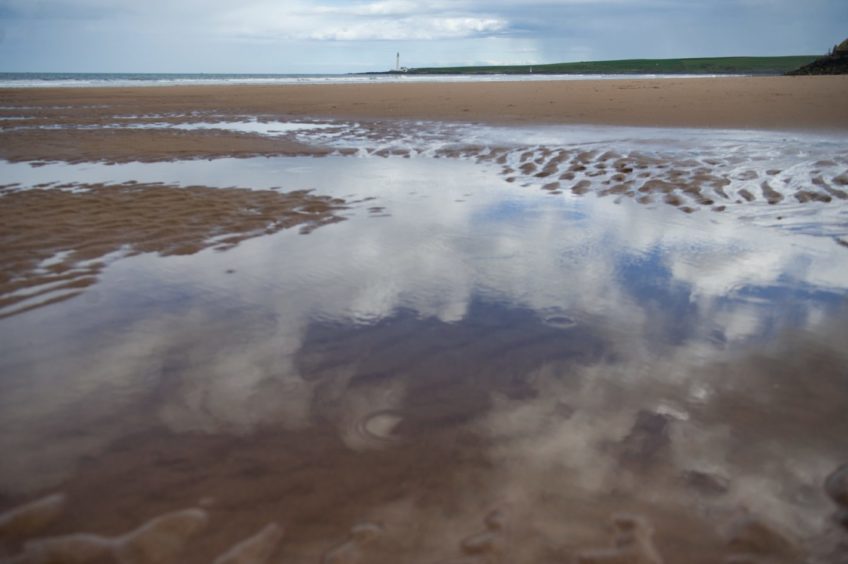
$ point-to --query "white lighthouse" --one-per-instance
(399, 68)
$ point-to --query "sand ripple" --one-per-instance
(710, 182)
(55, 241)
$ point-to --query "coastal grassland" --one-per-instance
(713, 65)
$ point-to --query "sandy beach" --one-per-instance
(775, 103)
(173, 123)
(494, 342)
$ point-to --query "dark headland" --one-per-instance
(835, 62)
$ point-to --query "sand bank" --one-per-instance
(127, 145)
(793, 103)
(732, 102)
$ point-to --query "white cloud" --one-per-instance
(407, 29)
(395, 20)
(344, 35)
(385, 8)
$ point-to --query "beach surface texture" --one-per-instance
(794, 103)
(565, 321)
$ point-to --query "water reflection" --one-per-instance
(478, 347)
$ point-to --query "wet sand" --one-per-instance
(514, 427)
(82, 224)
(795, 103)
(686, 183)
(124, 145)
(480, 469)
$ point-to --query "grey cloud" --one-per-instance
(300, 36)
(62, 9)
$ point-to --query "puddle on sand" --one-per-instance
(478, 373)
(796, 181)
(57, 239)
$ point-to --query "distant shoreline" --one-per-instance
(763, 66)
(630, 69)
(147, 80)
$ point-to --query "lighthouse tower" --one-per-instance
(397, 62)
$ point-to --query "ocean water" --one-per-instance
(31, 80)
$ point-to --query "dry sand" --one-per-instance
(755, 102)
(816, 103)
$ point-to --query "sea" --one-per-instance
(60, 79)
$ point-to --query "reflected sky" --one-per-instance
(603, 350)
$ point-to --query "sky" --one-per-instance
(333, 36)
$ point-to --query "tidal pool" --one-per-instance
(464, 369)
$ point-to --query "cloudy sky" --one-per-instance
(294, 36)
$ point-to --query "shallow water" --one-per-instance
(461, 344)
(745, 173)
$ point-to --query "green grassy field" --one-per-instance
(719, 65)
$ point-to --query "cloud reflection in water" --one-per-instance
(555, 353)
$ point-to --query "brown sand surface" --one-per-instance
(689, 184)
(87, 225)
(756, 102)
(126, 145)
(728, 102)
